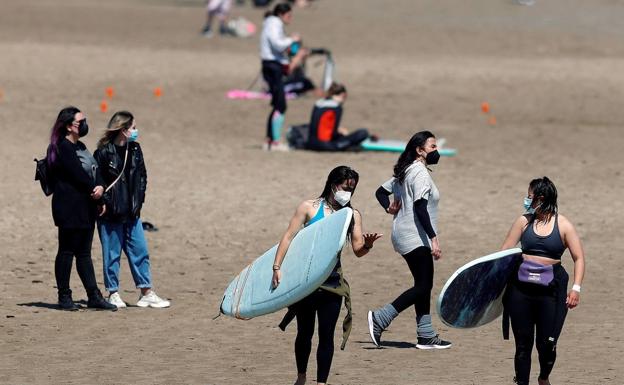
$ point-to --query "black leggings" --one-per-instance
(272, 72)
(327, 306)
(420, 263)
(341, 143)
(74, 242)
(537, 314)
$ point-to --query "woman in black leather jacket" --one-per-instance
(77, 191)
(121, 163)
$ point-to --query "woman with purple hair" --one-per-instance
(77, 191)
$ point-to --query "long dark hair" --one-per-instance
(59, 131)
(281, 9)
(336, 177)
(544, 189)
(408, 156)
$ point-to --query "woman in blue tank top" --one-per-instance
(537, 299)
(324, 302)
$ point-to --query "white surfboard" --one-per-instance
(473, 295)
(310, 259)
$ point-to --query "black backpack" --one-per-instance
(297, 136)
(44, 175)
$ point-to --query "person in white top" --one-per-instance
(274, 45)
(414, 236)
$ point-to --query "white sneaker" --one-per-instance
(152, 300)
(116, 300)
(279, 146)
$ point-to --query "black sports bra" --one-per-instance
(549, 246)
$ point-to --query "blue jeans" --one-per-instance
(130, 238)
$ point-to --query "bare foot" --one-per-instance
(542, 382)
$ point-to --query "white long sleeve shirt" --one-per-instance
(273, 40)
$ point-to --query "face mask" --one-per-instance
(527, 205)
(134, 135)
(433, 157)
(83, 128)
(342, 197)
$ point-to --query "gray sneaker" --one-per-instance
(374, 329)
(433, 343)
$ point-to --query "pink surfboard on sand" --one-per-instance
(236, 94)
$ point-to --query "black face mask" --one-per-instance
(83, 128)
(433, 157)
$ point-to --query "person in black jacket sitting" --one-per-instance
(325, 132)
(121, 162)
(77, 189)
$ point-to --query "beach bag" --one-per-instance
(44, 176)
(297, 136)
(242, 27)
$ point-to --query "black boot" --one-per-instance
(96, 301)
(66, 302)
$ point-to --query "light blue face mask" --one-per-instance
(527, 205)
(134, 135)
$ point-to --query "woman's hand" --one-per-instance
(370, 238)
(277, 278)
(97, 193)
(435, 248)
(573, 299)
(394, 207)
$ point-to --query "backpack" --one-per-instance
(44, 175)
(297, 136)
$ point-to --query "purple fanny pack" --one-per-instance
(534, 272)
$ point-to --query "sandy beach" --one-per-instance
(552, 74)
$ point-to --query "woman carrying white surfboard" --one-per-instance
(537, 300)
(324, 302)
(414, 228)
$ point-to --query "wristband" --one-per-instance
(576, 288)
(276, 267)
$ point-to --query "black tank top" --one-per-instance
(549, 246)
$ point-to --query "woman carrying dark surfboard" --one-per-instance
(324, 302)
(537, 300)
(414, 228)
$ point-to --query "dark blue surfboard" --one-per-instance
(473, 296)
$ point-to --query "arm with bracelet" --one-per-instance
(573, 242)
(295, 224)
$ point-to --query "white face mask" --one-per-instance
(342, 197)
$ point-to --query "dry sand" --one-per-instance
(551, 72)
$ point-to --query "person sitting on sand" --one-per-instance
(325, 132)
